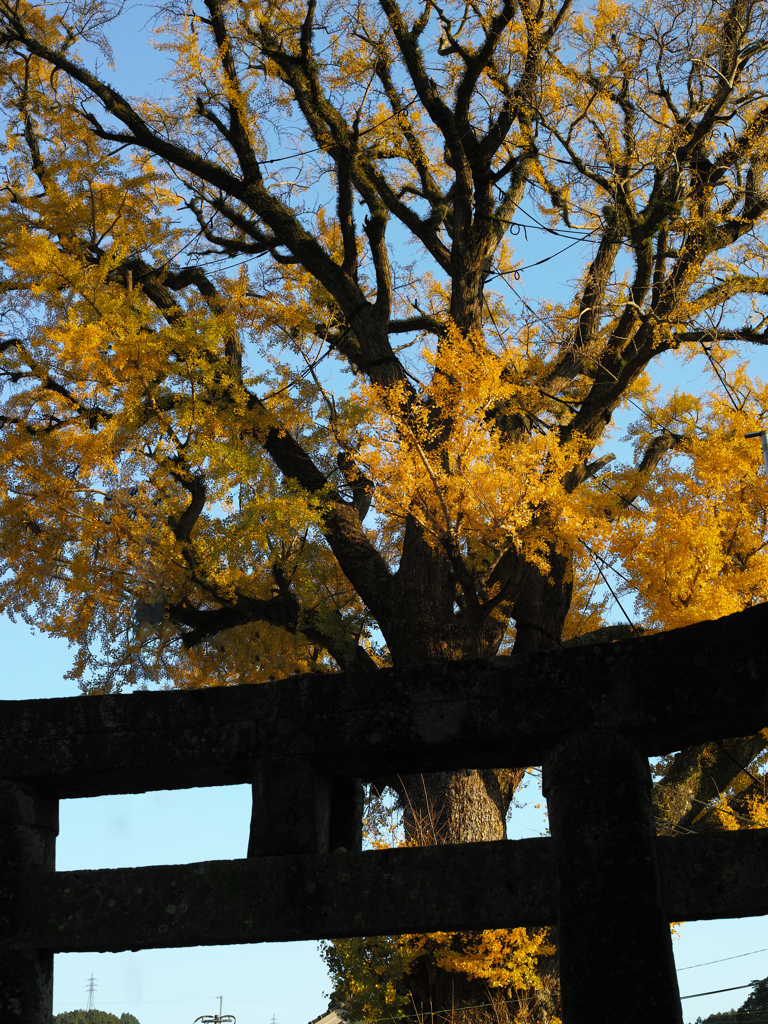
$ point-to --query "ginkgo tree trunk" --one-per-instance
(274, 398)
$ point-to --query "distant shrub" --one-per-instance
(92, 1017)
(756, 1002)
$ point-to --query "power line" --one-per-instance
(720, 375)
(198, 999)
(511, 223)
(595, 557)
(759, 782)
(737, 957)
(480, 1006)
(746, 1013)
(715, 991)
(364, 131)
(529, 266)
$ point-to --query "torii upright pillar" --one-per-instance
(29, 824)
(612, 924)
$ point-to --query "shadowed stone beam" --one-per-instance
(502, 712)
(590, 715)
(281, 899)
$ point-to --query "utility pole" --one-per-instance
(763, 435)
(217, 1018)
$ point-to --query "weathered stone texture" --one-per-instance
(611, 915)
(590, 715)
(481, 714)
(289, 898)
(29, 824)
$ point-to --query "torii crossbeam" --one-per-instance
(591, 716)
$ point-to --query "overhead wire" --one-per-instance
(759, 782)
(301, 376)
(720, 376)
(716, 991)
(605, 561)
(529, 266)
(566, 232)
(583, 236)
(689, 967)
(708, 963)
(479, 1006)
(577, 234)
(604, 578)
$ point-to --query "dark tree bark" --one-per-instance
(436, 605)
(542, 606)
(699, 775)
(472, 806)
(454, 807)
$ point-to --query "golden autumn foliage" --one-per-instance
(287, 387)
(371, 974)
(697, 547)
(184, 462)
(474, 489)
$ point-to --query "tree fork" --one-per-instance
(542, 606)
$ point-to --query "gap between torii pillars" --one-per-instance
(611, 919)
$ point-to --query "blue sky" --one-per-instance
(287, 981)
(284, 980)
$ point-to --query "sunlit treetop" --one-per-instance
(276, 397)
(279, 394)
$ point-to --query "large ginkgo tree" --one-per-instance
(277, 397)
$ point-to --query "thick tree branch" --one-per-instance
(700, 774)
(281, 611)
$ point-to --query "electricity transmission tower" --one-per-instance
(91, 993)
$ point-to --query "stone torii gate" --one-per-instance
(591, 716)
